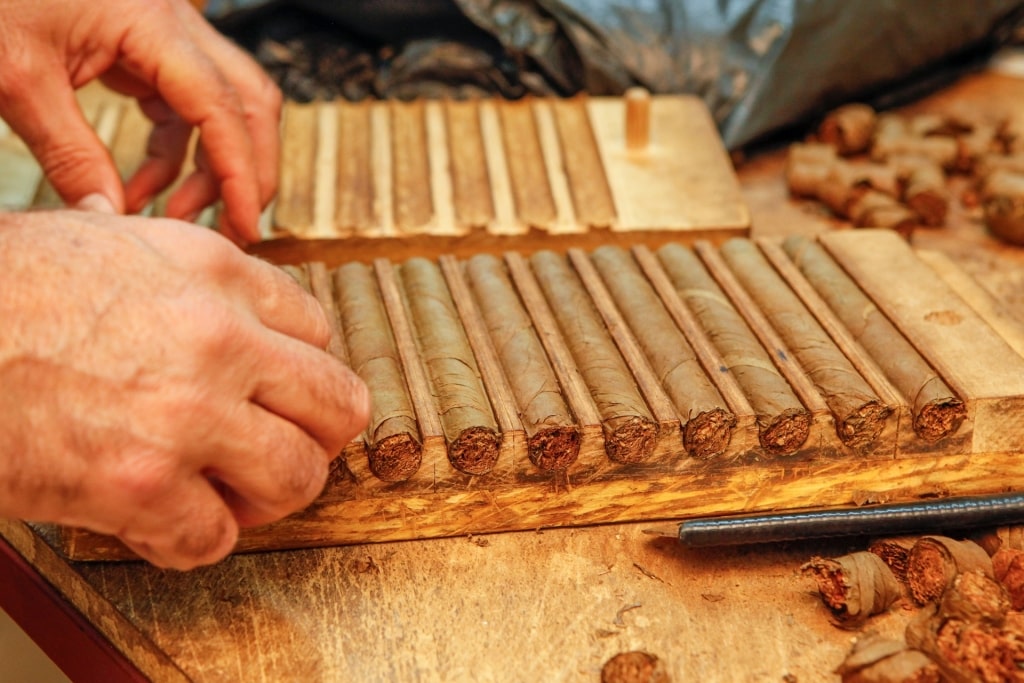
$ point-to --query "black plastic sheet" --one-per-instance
(760, 65)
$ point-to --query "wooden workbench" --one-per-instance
(542, 605)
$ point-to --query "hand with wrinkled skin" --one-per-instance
(160, 385)
(184, 74)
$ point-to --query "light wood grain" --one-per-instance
(973, 359)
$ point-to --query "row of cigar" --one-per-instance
(681, 345)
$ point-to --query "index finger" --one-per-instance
(193, 86)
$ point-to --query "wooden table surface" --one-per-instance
(544, 605)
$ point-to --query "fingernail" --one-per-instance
(97, 203)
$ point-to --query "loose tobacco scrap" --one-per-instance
(635, 666)
(876, 659)
(855, 586)
(971, 635)
(1008, 568)
(935, 561)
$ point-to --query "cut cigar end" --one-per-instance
(634, 667)
(709, 433)
(930, 207)
(863, 426)
(785, 434)
(939, 419)
(631, 441)
(474, 451)
(395, 458)
(554, 448)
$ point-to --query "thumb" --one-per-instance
(47, 117)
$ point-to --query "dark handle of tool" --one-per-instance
(891, 519)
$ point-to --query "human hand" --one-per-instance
(159, 385)
(184, 74)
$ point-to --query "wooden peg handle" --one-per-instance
(638, 118)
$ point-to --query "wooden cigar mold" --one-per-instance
(557, 329)
(517, 392)
(433, 177)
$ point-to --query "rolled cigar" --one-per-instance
(848, 128)
(894, 136)
(783, 422)
(629, 427)
(859, 413)
(937, 411)
(924, 187)
(707, 422)
(1002, 196)
(553, 438)
(394, 450)
(469, 425)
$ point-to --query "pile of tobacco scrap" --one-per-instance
(888, 170)
(312, 57)
(970, 626)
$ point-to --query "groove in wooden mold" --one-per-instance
(565, 221)
(531, 189)
(294, 210)
(591, 195)
(411, 193)
(355, 190)
(471, 184)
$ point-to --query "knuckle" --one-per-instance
(17, 81)
(215, 332)
(205, 543)
(269, 95)
(143, 477)
(68, 162)
(303, 479)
